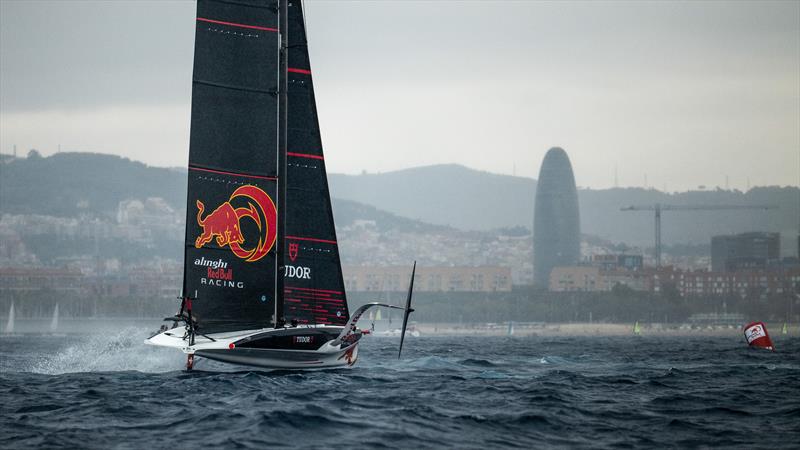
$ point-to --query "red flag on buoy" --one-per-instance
(757, 336)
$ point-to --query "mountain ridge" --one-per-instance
(432, 193)
(447, 195)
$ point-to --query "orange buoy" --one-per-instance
(757, 336)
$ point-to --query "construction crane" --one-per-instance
(658, 207)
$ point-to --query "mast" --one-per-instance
(283, 15)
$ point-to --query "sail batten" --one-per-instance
(298, 238)
(238, 25)
(236, 88)
(234, 174)
(305, 155)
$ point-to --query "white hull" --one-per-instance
(221, 349)
(285, 359)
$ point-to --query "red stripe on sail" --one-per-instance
(313, 294)
(327, 301)
(311, 301)
(222, 172)
(232, 24)
(296, 70)
(314, 290)
(298, 238)
(305, 155)
(333, 301)
(307, 297)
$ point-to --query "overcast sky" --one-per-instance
(682, 93)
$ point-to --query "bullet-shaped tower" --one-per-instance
(556, 223)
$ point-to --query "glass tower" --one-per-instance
(556, 222)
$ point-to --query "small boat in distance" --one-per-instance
(397, 332)
(262, 283)
(10, 322)
(637, 330)
(54, 321)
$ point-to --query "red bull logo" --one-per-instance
(350, 355)
(293, 249)
(224, 223)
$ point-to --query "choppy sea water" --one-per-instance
(93, 391)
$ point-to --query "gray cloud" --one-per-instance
(687, 92)
(83, 54)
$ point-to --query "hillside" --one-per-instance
(67, 184)
(601, 215)
(70, 184)
(347, 212)
(473, 200)
(449, 194)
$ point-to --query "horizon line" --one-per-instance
(699, 188)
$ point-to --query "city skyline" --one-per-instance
(664, 95)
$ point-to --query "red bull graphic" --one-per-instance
(293, 249)
(224, 223)
(350, 355)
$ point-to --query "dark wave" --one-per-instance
(101, 392)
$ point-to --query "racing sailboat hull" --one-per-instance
(285, 359)
(270, 348)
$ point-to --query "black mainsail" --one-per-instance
(314, 287)
(262, 279)
(230, 258)
(235, 218)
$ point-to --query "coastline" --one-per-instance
(71, 325)
(592, 329)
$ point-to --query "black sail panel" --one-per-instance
(314, 288)
(234, 89)
(231, 212)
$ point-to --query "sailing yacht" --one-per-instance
(262, 282)
(10, 322)
(54, 320)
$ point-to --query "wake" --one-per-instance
(123, 350)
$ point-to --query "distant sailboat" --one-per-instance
(10, 323)
(637, 330)
(785, 329)
(54, 322)
(510, 328)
